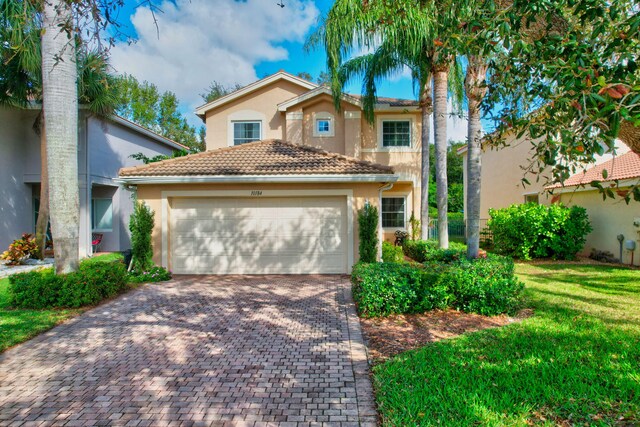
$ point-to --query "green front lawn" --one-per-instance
(575, 362)
(17, 326)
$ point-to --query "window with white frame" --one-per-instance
(396, 133)
(248, 131)
(393, 212)
(323, 124)
(101, 214)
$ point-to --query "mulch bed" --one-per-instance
(392, 335)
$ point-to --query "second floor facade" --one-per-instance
(286, 107)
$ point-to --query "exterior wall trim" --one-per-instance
(166, 195)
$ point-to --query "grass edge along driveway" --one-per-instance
(575, 362)
(17, 325)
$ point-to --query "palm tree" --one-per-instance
(406, 35)
(21, 84)
(475, 89)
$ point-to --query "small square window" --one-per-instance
(532, 198)
(323, 125)
(101, 215)
(393, 212)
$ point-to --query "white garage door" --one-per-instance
(259, 235)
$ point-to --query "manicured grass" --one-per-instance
(110, 257)
(575, 362)
(17, 326)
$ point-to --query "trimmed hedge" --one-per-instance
(91, 284)
(391, 252)
(536, 231)
(486, 286)
(427, 250)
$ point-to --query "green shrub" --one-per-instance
(536, 231)
(392, 253)
(152, 275)
(486, 286)
(427, 250)
(368, 232)
(141, 226)
(35, 289)
(92, 283)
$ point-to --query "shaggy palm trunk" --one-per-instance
(60, 105)
(474, 86)
(440, 90)
(43, 209)
(426, 103)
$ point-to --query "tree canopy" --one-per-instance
(144, 104)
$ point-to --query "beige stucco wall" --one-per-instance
(152, 195)
(258, 105)
(608, 219)
(502, 174)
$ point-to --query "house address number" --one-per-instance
(256, 193)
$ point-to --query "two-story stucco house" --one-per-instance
(279, 187)
(104, 146)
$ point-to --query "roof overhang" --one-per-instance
(323, 90)
(320, 90)
(586, 186)
(280, 75)
(146, 132)
(239, 179)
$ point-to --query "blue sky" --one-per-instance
(229, 41)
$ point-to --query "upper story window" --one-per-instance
(248, 131)
(323, 124)
(396, 133)
(393, 212)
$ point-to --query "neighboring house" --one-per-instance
(288, 203)
(104, 146)
(609, 218)
(501, 186)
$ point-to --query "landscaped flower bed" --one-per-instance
(445, 279)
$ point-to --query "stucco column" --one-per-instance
(294, 127)
(352, 133)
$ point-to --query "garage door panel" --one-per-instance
(259, 236)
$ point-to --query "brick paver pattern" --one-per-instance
(206, 350)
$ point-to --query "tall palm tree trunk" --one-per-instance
(474, 86)
(43, 209)
(426, 104)
(60, 104)
(440, 91)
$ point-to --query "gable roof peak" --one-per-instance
(280, 75)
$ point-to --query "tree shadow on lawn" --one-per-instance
(614, 281)
(212, 350)
(534, 372)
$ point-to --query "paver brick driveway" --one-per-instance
(205, 350)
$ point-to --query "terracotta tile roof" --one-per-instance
(393, 102)
(626, 166)
(269, 157)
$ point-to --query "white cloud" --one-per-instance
(200, 41)
(456, 126)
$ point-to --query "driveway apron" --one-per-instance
(199, 350)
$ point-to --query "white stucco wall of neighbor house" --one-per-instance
(15, 196)
(104, 146)
(110, 147)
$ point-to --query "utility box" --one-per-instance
(630, 245)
